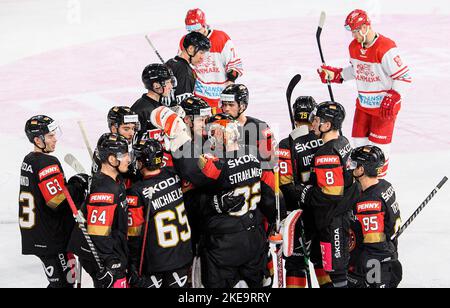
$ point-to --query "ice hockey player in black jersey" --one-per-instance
(106, 216)
(195, 46)
(374, 257)
(159, 82)
(295, 155)
(332, 191)
(123, 121)
(164, 235)
(227, 230)
(197, 113)
(45, 218)
(234, 101)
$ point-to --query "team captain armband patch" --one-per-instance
(100, 219)
(47, 171)
(101, 198)
(368, 206)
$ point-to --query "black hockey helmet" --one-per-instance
(150, 153)
(112, 144)
(195, 106)
(119, 115)
(303, 106)
(39, 126)
(198, 40)
(370, 157)
(235, 93)
(330, 112)
(157, 73)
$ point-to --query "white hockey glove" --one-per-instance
(172, 125)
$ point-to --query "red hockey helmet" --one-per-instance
(356, 19)
(195, 19)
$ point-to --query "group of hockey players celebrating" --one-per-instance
(183, 190)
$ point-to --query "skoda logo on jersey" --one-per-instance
(388, 194)
(149, 191)
(233, 163)
(301, 147)
(345, 150)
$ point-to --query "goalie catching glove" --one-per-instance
(227, 203)
(174, 128)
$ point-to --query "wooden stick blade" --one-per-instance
(74, 163)
(323, 16)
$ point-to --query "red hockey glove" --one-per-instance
(390, 105)
(331, 74)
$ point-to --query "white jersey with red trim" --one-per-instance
(376, 69)
(211, 73)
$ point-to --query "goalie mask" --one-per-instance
(222, 129)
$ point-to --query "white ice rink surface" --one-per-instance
(73, 60)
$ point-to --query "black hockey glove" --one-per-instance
(227, 203)
(232, 75)
(79, 187)
(110, 273)
(140, 282)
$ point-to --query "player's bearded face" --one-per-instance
(199, 57)
(199, 126)
(163, 89)
(357, 34)
(124, 162)
(316, 125)
(230, 108)
(358, 172)
(127, 130)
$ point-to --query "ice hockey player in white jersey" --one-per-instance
(382, 79)
(221, 67)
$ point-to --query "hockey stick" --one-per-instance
(80, 220)
(78, 167)
(74, 163)
(292, 84)
(279, 250)
(302, 236)
(294, 81)
(419, 209)
(154, 49)
(85, 138)
(144, 240)
(318, 33)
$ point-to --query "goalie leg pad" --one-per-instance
(289, 236)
